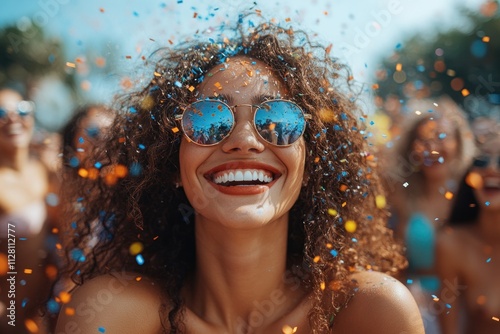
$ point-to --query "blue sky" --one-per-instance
(360, 33)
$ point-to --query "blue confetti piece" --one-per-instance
(442, 135)
(487, 203)
(102, 330)
(23, 239)
(132, 110)
(52, 199)
(409, 281)
(98, 165)
(74, 162)
(77, 255)
(448, 306)
(22, 282)
(73, 225)
(136, 14)
(488, 260)
(139, 259)
(141, 146)
(81, 140)
(24, 302)
(53, 306)
(334, 253)
(178, 84)
(372, 122)
(135, 169)
(354, 240)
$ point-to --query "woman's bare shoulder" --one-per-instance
(120, 302)
(381, 304)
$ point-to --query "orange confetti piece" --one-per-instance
(486, 39)
(322, 285)
(55, 230)
(28, 271)
(495, 318)
(474, 180)
(128, 57)
(156, 74)
(121, 140)
(191, 88)
(138, 278)
(465, 92)
(344, 204)
(316, 160)
(343, 187)
(481, 300)
(335, 285)
(101, 10)
(195, 15)
(448, 195)
(51, 271)
(328, 49)
(288, 329)
(65, 297)
(175, 130)
(329, 246)
(316, 259)
(218, 85)
(170, 42)
(69, 311)
(375, 86)
(121, 171)
(31, 326)
(399, 67)
(59, 246)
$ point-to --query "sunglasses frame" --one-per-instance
(254, 107)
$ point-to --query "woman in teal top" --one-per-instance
(429, 158)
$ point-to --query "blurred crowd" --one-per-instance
(441, 172)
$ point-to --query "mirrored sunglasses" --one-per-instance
(208, 122)
(23, 110)
(485, 160)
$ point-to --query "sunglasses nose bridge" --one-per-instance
(244, 136)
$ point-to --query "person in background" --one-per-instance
(26, 219)
(427, 161)
(238, 232)
(468, 251)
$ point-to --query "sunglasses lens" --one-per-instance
(481, 162)
(280, 122)
(207, 122)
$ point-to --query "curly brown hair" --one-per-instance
(340, 183)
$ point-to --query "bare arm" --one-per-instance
(112, 304)
(381, 305)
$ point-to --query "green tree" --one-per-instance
(461, 63)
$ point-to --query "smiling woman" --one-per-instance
(248, 205)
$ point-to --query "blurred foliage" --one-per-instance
(461, 63)
(27, 55)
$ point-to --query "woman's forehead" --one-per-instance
(241, 75)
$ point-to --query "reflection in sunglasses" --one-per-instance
(485, 160)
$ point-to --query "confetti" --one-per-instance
(288, 329)
(495, 318)
(102, 330)
(350, 226)
(69, 64)
(486, 39)
(465, 92)
(135, 248)
(28, 271)
(139, 259)
(448, 195)
(322, 286)
(175, 130)
(69, 311)
(380, 201)
(332, 212)
(64, 297)
(31, 326)
(316, 259)
(488, 260)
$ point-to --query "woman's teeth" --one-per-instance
(243, 175)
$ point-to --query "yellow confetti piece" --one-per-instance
(399, 67)
(486, 39)
(191, 88)
(448, 195)
(83, 172)
(350, 226)
(288, 329)
(69, 311)
(28, 271)
(156, 74)
(329, 246)
(344, 204)
(380, 201)
(218, 85)
(175, 130)
(64, 297)
(332, 212)
(135, 248)
(465, 92)
(69, 64)
(322, 285)
(316, 259)
(31, 326)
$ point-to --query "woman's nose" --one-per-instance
(243, 138)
